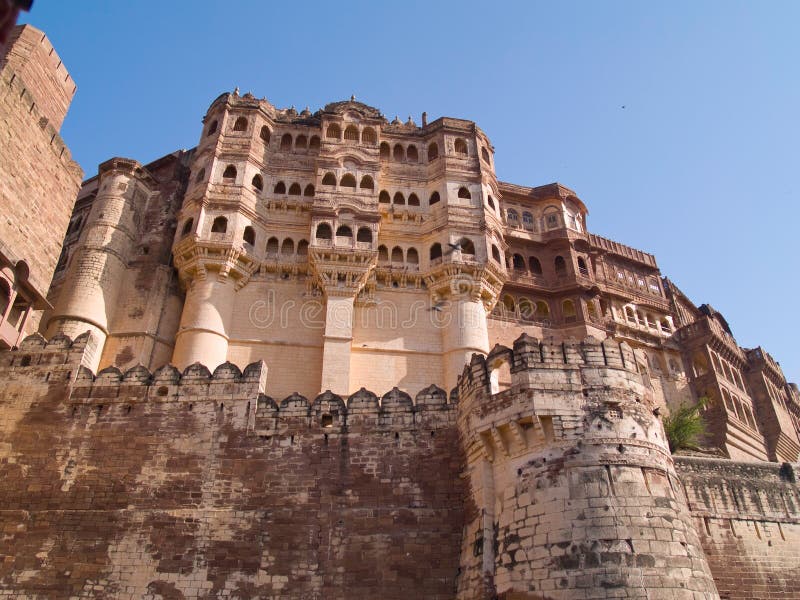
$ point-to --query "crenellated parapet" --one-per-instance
(62, 361)
(572, 477)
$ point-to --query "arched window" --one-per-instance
(187, 229)
(508, 303)
(397, 254)
(324, 231)
(551, 219)
(351, 133)
(464, 193)
(220, 225)
(329, 179)
(467, 246)
(591, 309)
(385, 152)
(368, 136)
(433, 151)
(286, 141)
(630, 315)
(460, 146)
(485, 155)
(496, 254)
(534, 265)
(280, 188)
(272, 245)
(313, 143)
(412, 257)
(490, 202)
(294, 189)
(383, 253)
(434, 199)
(518, 262)
(229, 175)
(333, 132)
(367, 183)
(212, 129)
(364, 235)
(413, 200)
(568, 310)
(542, 309)
(344, 231)
(526, 308)
(264, 134)
(436, 251)
(398, 198)
(384, 197)
(309, 191)
(240, 124)
(201, 174)
(412, 154)
(249, 236)
(301, 142)
(302, 248)
(348, 181)
(5, 295)
(287, 247)
(398, 153)
(258, 183)
(560, 265)
(582, 269)
(527, 220)
(512, 217)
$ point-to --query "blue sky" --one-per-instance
(699, 167)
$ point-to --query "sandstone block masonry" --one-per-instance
(194, 484)
(38, 178)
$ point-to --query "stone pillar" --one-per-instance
(463, 334)
(337, 344)
(97, 271)
(205, 322)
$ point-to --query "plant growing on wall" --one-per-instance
(684, 427)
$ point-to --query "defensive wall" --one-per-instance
(544, 475)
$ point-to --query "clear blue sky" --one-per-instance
(699, 167)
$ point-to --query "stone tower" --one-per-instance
(38, 178)
(574, 488)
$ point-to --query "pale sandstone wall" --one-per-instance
(575, 491)
(748, 518)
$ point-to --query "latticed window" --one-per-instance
(351, 133)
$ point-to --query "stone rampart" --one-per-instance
(575, 491)
(748, 518)
(198, 485)
(545, 475)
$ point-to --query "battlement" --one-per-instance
(532, 363)
(32, 57)
(36, 359)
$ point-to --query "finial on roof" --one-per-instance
(236, 91)
(411, 121)
(353, 98)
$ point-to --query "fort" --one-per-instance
(327, 355)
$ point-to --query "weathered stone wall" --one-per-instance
(569, 469)
(38, 178)
(171, 485)
(199, 485)
(748, 518)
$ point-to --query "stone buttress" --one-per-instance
(574, 489)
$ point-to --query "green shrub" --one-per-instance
(684, 427)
